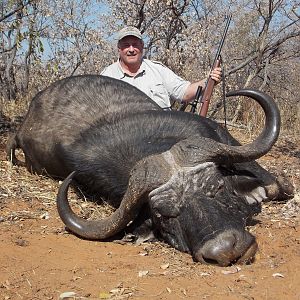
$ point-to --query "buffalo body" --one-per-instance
(183, 174)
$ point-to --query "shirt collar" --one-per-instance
(140, 72)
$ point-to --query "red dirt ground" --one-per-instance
(40, 260)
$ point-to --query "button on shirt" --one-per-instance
(154, 79)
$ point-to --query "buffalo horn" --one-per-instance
(228, 154)
(98, 229)
(267, 138)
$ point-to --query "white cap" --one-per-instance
(127, 31)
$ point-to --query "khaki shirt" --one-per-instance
(154, 79)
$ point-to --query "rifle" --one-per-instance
(196, 101)
(210, 83)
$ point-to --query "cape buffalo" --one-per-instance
(184, 174)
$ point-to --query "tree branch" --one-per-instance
(20, 7)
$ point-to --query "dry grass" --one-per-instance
(14, 108)
(17, 183)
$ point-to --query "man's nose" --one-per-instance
(131, 48)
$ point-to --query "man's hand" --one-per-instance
(216, 74)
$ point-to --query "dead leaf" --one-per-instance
(143, 273)
(67, 295)
(104, 295)
(278, 275)
(165, 266)
(204, 274)
(183, 291)
(21, 242)
(231, 271)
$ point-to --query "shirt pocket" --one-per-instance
(159, 89)
(160, 95)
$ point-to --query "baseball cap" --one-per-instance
(129, 30)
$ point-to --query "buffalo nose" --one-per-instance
(228, 247)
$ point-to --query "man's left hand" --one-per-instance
(216, 74)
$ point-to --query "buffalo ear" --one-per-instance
(163, 208)
(245, 184)
(250, 188)
(165, 201)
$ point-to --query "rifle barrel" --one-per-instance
(223, 38)
(210, 83)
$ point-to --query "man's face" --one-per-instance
(131, 50)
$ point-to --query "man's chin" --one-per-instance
(132, 59)
(133, 63)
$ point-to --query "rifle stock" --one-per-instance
(206, 96)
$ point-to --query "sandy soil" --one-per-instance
(40, 260)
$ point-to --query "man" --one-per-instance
(153, 78)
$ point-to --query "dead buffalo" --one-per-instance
(183, 175)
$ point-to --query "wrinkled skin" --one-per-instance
(175, 170)
(218, 207)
